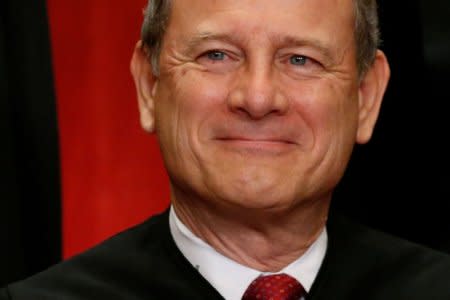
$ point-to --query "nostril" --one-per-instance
(258, 105)
(257, 95)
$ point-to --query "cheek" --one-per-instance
(187, 104)
(199, 95)
(199, 100)
(186, 111)
(329, 109)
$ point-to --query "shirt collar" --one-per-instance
(230, 278)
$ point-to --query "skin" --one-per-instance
(257, 107)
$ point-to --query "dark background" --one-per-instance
(397, 183)
(29, 186)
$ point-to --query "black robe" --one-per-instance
(144, 263)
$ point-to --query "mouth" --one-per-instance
(257, 145)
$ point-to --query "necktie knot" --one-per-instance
(274, 287)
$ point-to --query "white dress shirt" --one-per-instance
(230, 278)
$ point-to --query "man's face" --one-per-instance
(256, 104)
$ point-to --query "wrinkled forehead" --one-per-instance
(331, 22)
(344, 8)
(269, 13)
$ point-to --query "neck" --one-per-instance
(263, 239)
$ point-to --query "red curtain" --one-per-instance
(112, 172)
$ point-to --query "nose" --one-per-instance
(257, 95)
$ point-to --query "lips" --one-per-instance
(268, 136)
(247, 134)
(251, 139)
(268, 145)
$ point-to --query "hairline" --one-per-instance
(366, 45)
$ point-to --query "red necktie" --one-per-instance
(274, 287)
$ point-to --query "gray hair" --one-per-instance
(367, 37)
(367, 33)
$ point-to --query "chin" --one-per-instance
(261, 199)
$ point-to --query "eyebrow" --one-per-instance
(285, 41)
(208, 36)
(293, 41)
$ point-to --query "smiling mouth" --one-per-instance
(257, 145)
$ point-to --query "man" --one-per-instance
(257, 106)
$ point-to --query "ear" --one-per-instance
(146, 83)
(371, 92)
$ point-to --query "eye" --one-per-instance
(298, 60)
(216, 55)
(301, 65)
(218, 61)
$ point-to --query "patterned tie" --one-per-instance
(274, 287)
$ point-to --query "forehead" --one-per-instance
(255, 5)
(331, 20)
